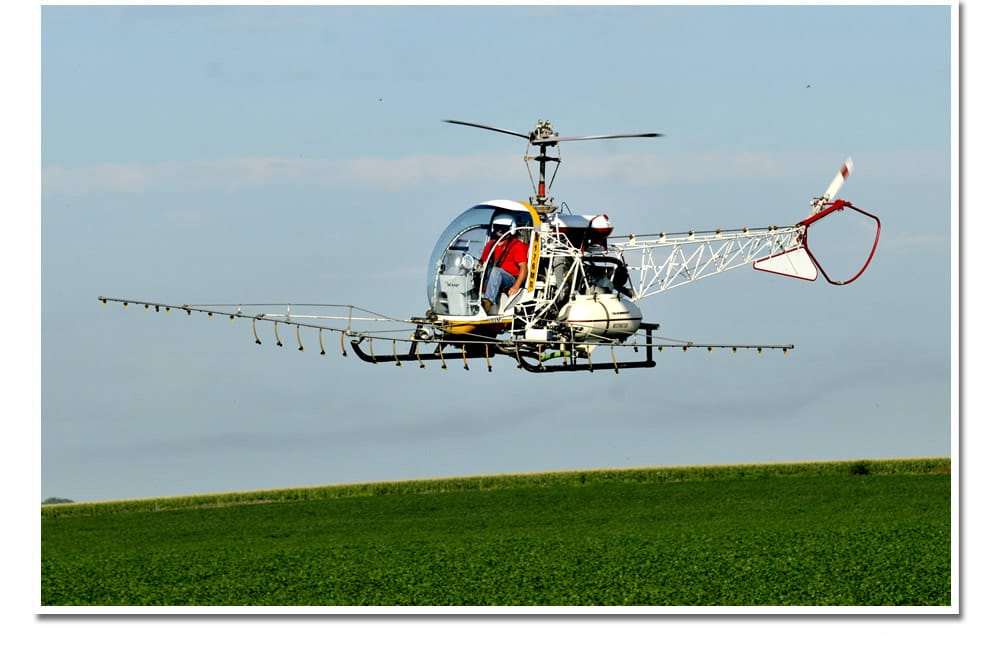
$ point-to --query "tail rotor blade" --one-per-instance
(834, 188)
(838, 181)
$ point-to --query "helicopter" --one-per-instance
(576, 295)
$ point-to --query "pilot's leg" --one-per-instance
(492, 284)
(497, 279)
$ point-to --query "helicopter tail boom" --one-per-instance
(670, 260)
(780, 250)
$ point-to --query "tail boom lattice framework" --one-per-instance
(694, 255)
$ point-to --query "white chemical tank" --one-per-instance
(601, 315)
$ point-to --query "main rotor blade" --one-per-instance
(559, 139)
(490, 128)
(551, 140)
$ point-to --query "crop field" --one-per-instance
(838, 533)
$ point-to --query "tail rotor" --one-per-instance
(823, 207)
(831, 192)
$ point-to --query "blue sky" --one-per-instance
(297, 154)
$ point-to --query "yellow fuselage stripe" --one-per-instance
(536, 243)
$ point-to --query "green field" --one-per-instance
(839, 533)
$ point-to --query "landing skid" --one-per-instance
(413, 353)
(530, 356)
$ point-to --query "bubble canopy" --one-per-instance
(452, 287)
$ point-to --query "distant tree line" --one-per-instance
(53, 500)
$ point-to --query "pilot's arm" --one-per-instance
(522, 274)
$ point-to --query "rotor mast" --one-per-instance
(541, 136)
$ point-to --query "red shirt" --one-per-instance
(514, 251)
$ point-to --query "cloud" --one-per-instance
(232, 173)
(413, 172)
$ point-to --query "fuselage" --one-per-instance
(574, 286)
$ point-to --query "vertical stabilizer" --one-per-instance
(796, 263)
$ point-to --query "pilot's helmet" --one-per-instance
(502, 222)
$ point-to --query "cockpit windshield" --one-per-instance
(452, 279)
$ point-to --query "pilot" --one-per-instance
(510, 255)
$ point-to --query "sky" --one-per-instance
(297, 153)
(241, 154)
